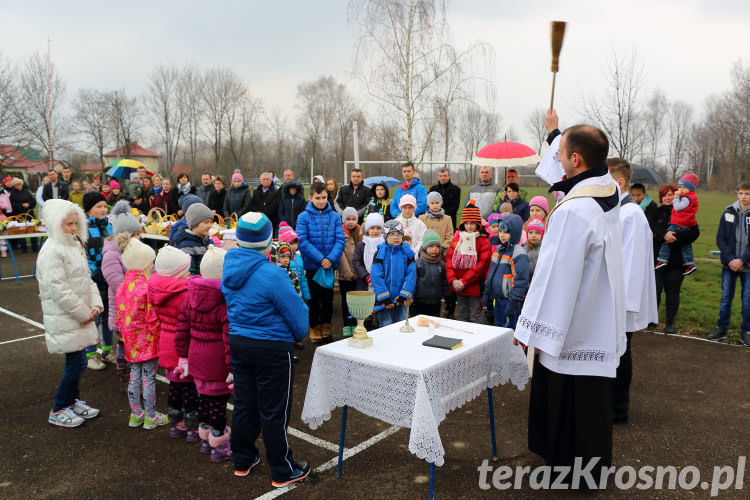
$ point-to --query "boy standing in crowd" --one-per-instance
(732, 240)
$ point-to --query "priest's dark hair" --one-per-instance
(589, 142)
(638, 185)
(620, 168)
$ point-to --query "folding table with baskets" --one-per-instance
(20, 227)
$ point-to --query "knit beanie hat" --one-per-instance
(92, 198)
(114, 185)
(471, 213)
(237, 176)
(541, 202)
(494, 218)
(283, 249)
(137, 255)
(535, 224)
(373, 219)
(254, 231)
(689, 181)
(319, 178)
(123, 221)
(407, 199)
(171, 262)
(349, 212)
(197, 213)
(430, 238)
(434, 196)
(187, 200)
(392, 226)
(212, 263)
(286, 233)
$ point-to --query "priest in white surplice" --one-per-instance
(574, 314)
(640, 281)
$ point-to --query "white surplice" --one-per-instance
(574, 313)
(638, 265)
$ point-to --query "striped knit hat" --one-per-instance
(535, 224)
(471, 213)
(254, 231)
(286, 233)
(689, 181)
(430, 238)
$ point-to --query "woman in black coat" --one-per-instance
(23, 203)
(217, 197)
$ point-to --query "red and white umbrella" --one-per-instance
(506, 154)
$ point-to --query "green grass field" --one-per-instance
(701, 291)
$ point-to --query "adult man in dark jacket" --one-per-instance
(205, 189)
(55, 188)
(450, 192)
(266, 199)
(354, 194)
(23, 203)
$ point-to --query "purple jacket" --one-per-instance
(203, 335)
(114, 273)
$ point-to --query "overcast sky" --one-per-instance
(687, 46)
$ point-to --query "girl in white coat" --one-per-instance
(70, 302)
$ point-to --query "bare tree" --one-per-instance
(165, 109)
(91, 112)
(37, 108)
(657, 108)
(680, 122)
(9, 124)
(220, 93)
(619, 112)
(278, 124)
(243, 117)
(317, 109)
(125, 114)
(534, 125)
(478, 128)
(191, 84)
(402, 53)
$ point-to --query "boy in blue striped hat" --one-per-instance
(266, 316)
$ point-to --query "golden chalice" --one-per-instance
(360, 307)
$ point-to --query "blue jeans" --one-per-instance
(503, 316)
(389, 316)
(728, 282)
(686, 250)
(102, 322)
(67, 392)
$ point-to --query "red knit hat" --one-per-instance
(689, 181)
(471, 213)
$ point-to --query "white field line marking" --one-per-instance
(19, 340)
(348, 453)
(22, 318)
(321, 443)
(697, 338)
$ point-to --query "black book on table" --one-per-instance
(443, 342)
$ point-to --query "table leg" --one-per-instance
(492, 425)
(341, 440)
(432, 480)
(13, 260)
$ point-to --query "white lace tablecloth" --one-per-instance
(404, 383)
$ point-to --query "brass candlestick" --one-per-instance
(360, 307)
(407, 328)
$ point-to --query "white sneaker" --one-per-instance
(81, 409)
(109, 357)
(64, 418)
(95, 362)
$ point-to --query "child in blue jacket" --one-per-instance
(508, 277)
(733, 240)
(265, 317)
(393, 274)
(192, 238)
(321, 241)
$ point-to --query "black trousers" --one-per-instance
(450, 304)
(427, 309)
(262, 402)
(344, 287)
(570, 416)
(321, 302)
(669, 279)
(621, 387)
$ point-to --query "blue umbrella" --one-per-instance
(381, 179)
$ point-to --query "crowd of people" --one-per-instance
(196, 310)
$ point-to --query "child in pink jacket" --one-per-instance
(167, 289)
(203, 346)
(139, 330)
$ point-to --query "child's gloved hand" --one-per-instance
(230, 381)
(182, 368)
(400, 301)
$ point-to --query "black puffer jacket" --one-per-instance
(348, 196)
(268, 203)
(291, 206)
(237, 201)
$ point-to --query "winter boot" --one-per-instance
(316, 337)
(177, 428)
(191, 422)
(325, 331)
(203, 432)
(219, 445)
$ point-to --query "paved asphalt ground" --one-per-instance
(690, 405)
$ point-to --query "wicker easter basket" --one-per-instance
(16, 224)
(155, 224)
(168, 221)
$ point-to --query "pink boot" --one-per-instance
(203, 432)
(219, 446)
